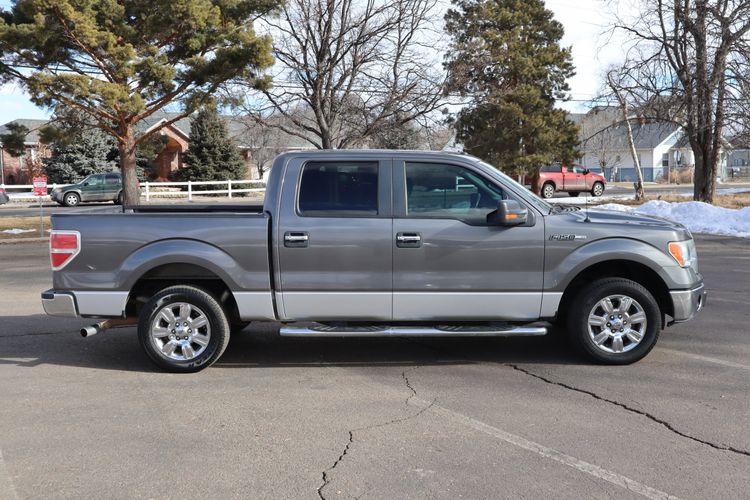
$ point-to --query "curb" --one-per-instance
(16, 241)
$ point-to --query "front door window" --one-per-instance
(437, 190)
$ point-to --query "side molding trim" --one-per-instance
(101, 303)
(550, 303)
(255, 305)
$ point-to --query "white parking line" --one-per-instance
(544, 451)
(7, 490)
(699, 357)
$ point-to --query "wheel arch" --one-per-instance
(163, 276)
(77, 191)
(620, 268)
(179, 261)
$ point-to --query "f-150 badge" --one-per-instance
(568, 237)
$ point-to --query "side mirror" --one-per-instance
(586, 171)
(508, 213)
(86, 183)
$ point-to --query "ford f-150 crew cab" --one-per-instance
(375, 243)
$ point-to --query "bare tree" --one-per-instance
(598, 137)
(346, 67)
(684, 63)
(614, 85)
(266, 144)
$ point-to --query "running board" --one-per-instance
(320, 330)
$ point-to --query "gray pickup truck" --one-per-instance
(375, 243)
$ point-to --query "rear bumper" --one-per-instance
(59, 304)
(688, 302)
(85, 303)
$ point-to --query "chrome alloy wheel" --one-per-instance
(71, 200)
(617, 323)
(180, 331)
(598, 189)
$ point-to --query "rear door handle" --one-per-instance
(408, 240)
(296, 239)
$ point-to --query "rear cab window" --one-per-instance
(339, 189)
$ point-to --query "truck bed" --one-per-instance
(117, 248)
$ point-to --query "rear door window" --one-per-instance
(339, 189)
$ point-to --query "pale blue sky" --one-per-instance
(583, 21)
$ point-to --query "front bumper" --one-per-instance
(688, 302)
(59, 304)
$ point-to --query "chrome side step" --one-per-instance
(501, 330)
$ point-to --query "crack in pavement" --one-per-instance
(408, 384)
(643, 413)
(326, 473)
(326, 479)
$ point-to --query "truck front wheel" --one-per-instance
(614, 321)
(183, 329)
(548, 190)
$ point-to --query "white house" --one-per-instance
(662, 147)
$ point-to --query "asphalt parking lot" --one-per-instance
(396, 418)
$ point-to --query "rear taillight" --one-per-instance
(63, 247)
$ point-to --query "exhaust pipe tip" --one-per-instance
(90, 331)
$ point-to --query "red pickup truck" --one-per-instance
(574, 179)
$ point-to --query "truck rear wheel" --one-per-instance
(183, 329)
(614, 321)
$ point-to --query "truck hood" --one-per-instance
(614, 217)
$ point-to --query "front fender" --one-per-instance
(182, 251)
(559, 274)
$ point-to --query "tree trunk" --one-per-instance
(128, 168)
(639, 194)
(704, 178)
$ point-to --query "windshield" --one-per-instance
(538, 203)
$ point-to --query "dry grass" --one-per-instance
(21, 223)
(739, 200)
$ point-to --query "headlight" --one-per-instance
(684, 253)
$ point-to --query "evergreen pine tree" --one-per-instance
(212, 155)
(506, 56)
(92, 152)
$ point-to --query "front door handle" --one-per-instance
(408, 240)
(296, 239)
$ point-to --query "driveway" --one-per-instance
(390, 418)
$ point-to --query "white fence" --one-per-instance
(157, 189)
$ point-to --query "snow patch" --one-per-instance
(697, 216)
(18, 231)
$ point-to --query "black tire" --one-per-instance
(548, 190)
(118, 200)
(71, 199)
(597, 189)
(583, 305)
(573, 193)
(197, 298)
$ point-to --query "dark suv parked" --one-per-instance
(97, 187)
